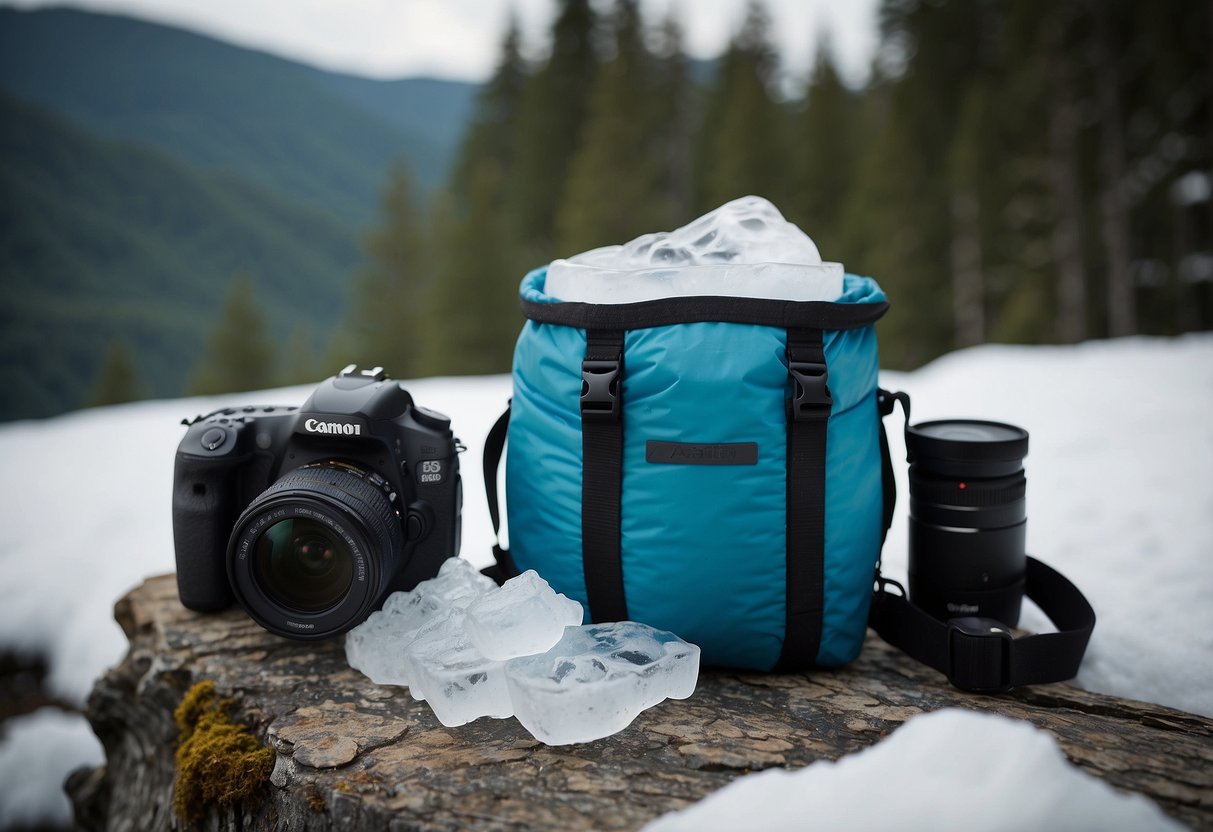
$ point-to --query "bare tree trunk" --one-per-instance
(968, 284)
(1114, 214)
(1063, 176)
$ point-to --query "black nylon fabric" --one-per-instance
(806, 484)
(601, 490)
(494, 447)
(684, 310)
(1035, 659)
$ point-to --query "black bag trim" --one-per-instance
(685, 310)
(808, 417)
(602, 474)
(494, 447)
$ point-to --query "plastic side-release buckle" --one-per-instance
(811, 399)
(600, 390)
(979, 654)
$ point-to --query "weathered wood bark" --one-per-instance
(354, 756)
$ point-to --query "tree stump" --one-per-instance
(351, 755)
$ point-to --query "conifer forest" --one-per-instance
(1037, 171)
(1022, 172)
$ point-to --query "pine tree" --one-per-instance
(239, 355)
(118, 379)
(472, 315)
(898, 215)
(677, 101)
(493, 135)
(824, 155)
(742, 146)
(390, 295)
(615, 189)
(554, 106)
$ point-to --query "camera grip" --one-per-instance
(203, 514)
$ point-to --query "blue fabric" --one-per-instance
(703, 546)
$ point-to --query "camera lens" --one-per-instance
(967, 518)
(313, 552)
(302, 565)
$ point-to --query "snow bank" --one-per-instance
(85, 504)
(951, 769)
(1120, 496)
(38, 753)
(1119, 499)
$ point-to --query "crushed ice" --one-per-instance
(744, 248)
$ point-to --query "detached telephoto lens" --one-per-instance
(967, 518)
(313, 552)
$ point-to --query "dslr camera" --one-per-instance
(309, 517)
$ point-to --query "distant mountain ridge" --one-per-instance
(143, 167)
(223, 107)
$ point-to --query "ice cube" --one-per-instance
(525, 616)
(456, 679)
(458, 583)
(597, 679)
(378, 646)
(744, 248)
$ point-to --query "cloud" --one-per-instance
(460, 38)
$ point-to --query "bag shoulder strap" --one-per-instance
(494, 447)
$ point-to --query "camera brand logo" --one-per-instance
(345, 428)
(968, 609)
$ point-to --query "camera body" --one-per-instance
(310, 516)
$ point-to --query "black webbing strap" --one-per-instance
(885, 402)
(494, 447)
(808, 417)
(602, 474)
(979, 654)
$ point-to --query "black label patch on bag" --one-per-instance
(689, 453)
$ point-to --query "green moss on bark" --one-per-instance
(219, 762)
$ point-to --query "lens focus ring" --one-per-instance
(349, 490)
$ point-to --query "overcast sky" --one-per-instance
(459, 38)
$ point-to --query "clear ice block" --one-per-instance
(597, 679)
(525, 616)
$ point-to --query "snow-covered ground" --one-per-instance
(1120, 499)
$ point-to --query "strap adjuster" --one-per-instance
(979, 655)
(811, 399)
(600, 390)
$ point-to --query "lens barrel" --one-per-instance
(314, 551)
(968, 518)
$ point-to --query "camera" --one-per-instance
(308, 517)
(967, 518)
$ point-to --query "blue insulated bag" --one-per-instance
(706, 465)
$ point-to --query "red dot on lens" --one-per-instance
(962, 486)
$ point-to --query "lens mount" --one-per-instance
(312, 553)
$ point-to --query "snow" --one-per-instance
(952, 769)
(1119, 499)
(39, 751)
